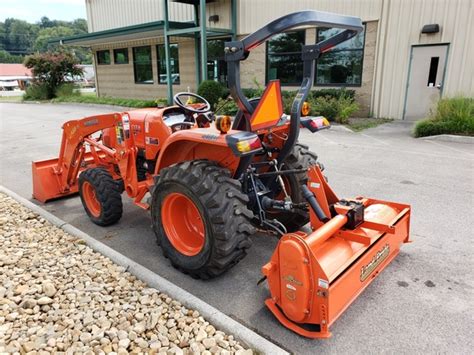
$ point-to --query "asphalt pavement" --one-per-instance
(422, 303)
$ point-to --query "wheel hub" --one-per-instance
(90, 197)
(183, 224)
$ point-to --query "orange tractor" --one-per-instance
(210, 182)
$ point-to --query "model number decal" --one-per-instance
(210, 137)
(92, 122)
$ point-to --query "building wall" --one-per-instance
(254, 14)
(117, 80)
(393, 27)
(107, 14)
(401, 24)
(253, 68)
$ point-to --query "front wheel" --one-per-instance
(200, 218)
(101, 196)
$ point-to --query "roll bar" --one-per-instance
(236, 51)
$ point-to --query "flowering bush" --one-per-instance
(50, 71)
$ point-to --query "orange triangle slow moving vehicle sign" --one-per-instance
(269, 109)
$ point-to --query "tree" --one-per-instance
(50, 70)
(46, 34)
(6, 57)
(3, 36)
(19, 37)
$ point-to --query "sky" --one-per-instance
(33, 10)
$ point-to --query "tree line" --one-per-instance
(20, 38)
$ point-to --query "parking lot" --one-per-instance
(423, 302)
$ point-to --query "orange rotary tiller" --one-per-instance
(314, 277)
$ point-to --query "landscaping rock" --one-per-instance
(58, 295)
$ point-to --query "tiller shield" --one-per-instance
(314, 277)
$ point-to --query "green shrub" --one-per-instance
(226, 107)
(325, 106)
(66, 89)
(451, 116)
(92, 99)
(251, 93)
(37, 91)
(212, 91)
(336, 93)
(346, 107)
(334, 109)
(335, 104)
(51, 69)
(225, 92)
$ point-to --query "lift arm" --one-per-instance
(56, 178)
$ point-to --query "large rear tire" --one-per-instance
(200, 218)
(299, 158)
(101, 196)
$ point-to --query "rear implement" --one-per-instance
(314, 277)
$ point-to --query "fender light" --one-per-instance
(315, 124)
(244, 143)
(223, 124)
(305, 109)
(249, 145)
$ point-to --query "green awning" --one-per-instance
(121, 34)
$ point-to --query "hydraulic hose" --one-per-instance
(313, 202)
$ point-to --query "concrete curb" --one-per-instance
(340, 128)
(450, 138)
(213, 315)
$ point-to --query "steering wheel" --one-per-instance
(204, 109)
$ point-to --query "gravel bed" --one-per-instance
(59, 296)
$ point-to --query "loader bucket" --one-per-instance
(314, 277)
(46, 183)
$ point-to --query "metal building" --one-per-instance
(411, 53)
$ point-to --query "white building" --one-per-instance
(411, 52)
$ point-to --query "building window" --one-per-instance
(142, 67)
(121, 56)
(174, 63)
(284, 58)
(103, 57)
(342, 65)
(216, 64)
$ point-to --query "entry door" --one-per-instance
(425, 80)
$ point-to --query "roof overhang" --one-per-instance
(121, 34)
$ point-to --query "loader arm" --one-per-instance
(56, 178)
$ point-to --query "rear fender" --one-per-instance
(198, 143)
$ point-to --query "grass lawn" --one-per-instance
(91, 98)
(359, 124)
(10, 98)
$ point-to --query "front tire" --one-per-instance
(200, 218)
(101, 196)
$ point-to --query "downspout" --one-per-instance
(169, 84)
(96, 73)
(202, 21)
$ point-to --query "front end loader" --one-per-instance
(211, 182)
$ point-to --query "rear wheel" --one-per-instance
(200, 218)
(100, 196)
(299, 158)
